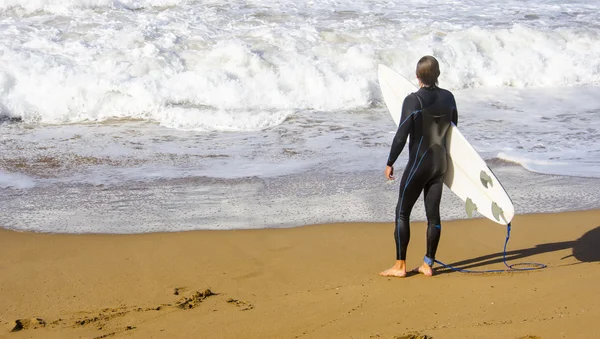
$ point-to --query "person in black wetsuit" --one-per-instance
(426, 117)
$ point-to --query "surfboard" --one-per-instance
(467, 176)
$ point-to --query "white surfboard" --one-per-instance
(468, 176)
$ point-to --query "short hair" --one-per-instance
(428, 70)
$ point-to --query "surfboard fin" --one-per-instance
(497, 212)
(470, 207)
(485, 179)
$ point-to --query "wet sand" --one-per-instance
(317, 281)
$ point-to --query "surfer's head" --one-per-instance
(428, 71)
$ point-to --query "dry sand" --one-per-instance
(308, 282)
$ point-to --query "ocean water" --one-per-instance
(223, 105)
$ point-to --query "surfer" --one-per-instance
(426, 117)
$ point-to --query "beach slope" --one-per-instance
(316, 281)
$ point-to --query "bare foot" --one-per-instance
(398, 270)
(426, 270)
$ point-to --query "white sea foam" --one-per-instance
(15, 180)
(303, 74)
(271, 108)
(249, 65)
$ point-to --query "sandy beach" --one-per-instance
(316, 281)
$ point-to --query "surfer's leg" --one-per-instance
(432, 197)
(410, 189)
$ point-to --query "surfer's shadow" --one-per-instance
(584, 249)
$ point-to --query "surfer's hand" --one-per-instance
(389, 172)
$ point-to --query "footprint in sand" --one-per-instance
(244, 305)
(413, 335)
(102, 318)
(28, 324)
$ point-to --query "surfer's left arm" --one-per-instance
(409, 110)
(454, 112)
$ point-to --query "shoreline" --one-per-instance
(474, 219)
(315, 281)
(280, 202)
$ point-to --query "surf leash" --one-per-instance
(510, 268)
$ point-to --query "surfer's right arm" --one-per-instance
(410, 108)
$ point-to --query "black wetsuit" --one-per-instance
(426, 117)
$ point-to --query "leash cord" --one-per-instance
(513, 267)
